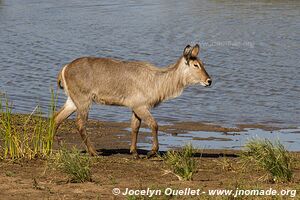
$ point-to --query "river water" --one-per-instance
(250, 48)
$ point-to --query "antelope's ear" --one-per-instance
(187, 51)
(195, 50)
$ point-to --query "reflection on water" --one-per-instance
(290, 138)
(254, 83)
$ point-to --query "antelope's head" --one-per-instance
(194, 67)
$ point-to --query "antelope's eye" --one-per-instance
(195, 65)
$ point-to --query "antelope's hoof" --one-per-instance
(151, 154)
(93, 153)
(135, 156)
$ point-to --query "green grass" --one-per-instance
(273, 158)
(181, 162)
(76, 165)
(26, 138)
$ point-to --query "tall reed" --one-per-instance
(11, 143)
(28, 138)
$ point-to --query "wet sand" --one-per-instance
(114, 135)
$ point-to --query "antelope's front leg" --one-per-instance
(154, 128)
(135, 126)
(144, 114)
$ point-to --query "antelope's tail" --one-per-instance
(59, 80)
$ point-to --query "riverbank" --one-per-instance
(34, 180)
(115, 168)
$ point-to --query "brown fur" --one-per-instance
(137, 85)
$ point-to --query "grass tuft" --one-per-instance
(75, 164)
(181, 162)
(271, 157)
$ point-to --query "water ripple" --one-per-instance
(250, 84)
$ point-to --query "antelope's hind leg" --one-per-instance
(81, 120)
(135, 126)
(65, 111)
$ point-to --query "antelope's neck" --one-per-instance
(171, 83)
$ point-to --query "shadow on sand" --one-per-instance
(109, 152)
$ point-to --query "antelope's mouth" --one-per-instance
(203, 84)
(207, 83)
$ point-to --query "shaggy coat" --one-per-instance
(137, 85)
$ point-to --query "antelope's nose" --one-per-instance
(209, 82)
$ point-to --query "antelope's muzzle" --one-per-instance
(208, 82)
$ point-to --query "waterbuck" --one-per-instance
(137, 85)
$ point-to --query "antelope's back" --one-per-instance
(112, 80)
